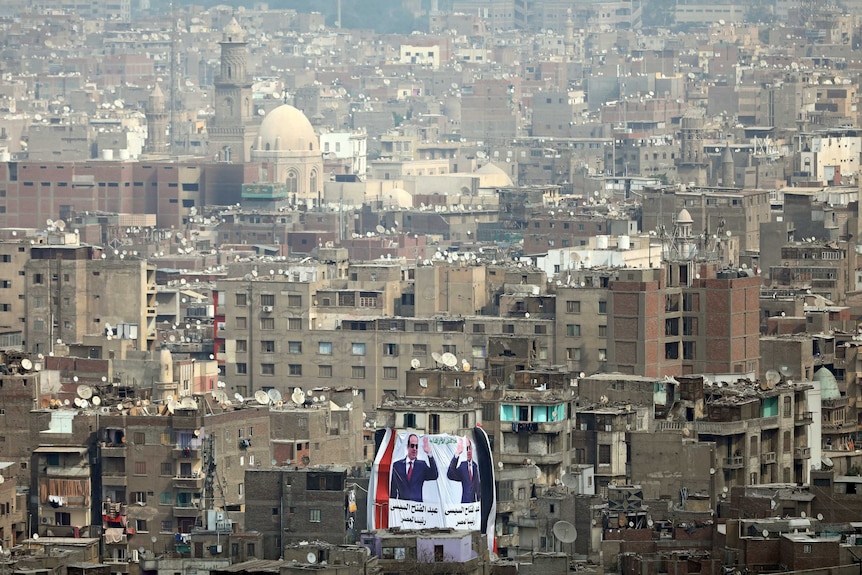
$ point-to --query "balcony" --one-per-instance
(186, 510)
(768, 457)
(114, 480)
(734, 462)
(189, 481)
(113, 451)
(835, 403)
(838, 426)
(804, 418)
(186, 452)
(801, 453)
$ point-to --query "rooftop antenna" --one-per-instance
(274, 395)
(298, 396)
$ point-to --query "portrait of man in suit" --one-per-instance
(410, 474)
(467, 473)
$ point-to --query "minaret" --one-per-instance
(157, 122)
(727, 168)
(233, 130)
(569, 41)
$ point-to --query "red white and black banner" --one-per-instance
(422, 481)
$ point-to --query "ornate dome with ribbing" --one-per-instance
(287, 129)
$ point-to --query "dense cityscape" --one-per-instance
(430, 286)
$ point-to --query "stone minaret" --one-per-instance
(157, 122)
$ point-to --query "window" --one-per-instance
(358, 349)
(540, 329)
(267, 346)
(294, 347)
(267, 369)
(294, 369)
(573, 354)
(478, 328)
(508, 328)
(241, 323)
(420, 350)
(166, 526)
(139, 438)
(420, 327)
(573, 307)
(294, 323)
(357, 372)
(324, 371)
(240, 489)
(165, 498)
(390, 373)
(139, 497)
(141, 525)
(267, 299)
(241, 369)
(479, 351)
(314, 515)
(603, 307)
(140, 467)
(573, 330)
(603, 331)
(37, 279)
(324, 348)
(604, 454)
(241, 300)
(241, 346)
(267, 323)
(787, 406)
(167, 468)
(294, 300)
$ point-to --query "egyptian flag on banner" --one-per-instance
(421, 481)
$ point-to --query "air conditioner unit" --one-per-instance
(135, 557)
(220, 516)
(267, 308)
(46, 521)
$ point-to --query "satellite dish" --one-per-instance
(380, 229)
(238, 397)
(827, 462)
(77, 402)
(66, 402)
(298, 396)
(565, 532)
(603, 399)
(261, 397)
(772, 378)
(569, 480)
(84, 391)
(436, 357)
(311, 557)
(274, 395)
(765, 533)
(172, 406)
(188, 403)
(85, 403)
(414, 363)
(466, 366)
(449, 359)
(803, 515)
(481, 384)
(26, 364)
(819, 517)
(96, 400)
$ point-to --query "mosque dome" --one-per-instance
(828, 384)
(492, 176)
(286, 128)
(684, 217)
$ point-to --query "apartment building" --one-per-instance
(75, 290)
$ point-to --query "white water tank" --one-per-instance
(624, 243)
(602, 242)
(107, 154)
(124, 154)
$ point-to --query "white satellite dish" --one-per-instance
(298, 396)
(274, 395)
(311, 557)
(414, 363)
(97, 400)
(85, 391)
(449, 359)
(261, 397)
(565, 532)
(569, 480)
(436, 357)
(26, 364)
(238, 397)
(481, 384)
(188, 403)
(380, 229)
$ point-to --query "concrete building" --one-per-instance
(72, 292)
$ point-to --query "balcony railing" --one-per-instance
(734, 462)
(768, 457)
(802, 453)
(804, 418)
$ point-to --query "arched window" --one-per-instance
(267, 146)
(229, 72)
(312, 182)
(292, 184)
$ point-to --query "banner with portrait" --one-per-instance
(422, 481)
